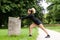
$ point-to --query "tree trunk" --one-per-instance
(14, 26)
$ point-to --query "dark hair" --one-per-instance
(31, 11)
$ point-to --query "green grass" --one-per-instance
(23, 36)
(53, 27)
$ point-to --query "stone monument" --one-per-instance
(14, 26)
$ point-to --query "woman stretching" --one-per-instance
(36, 21)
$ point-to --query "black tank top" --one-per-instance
(31, 17)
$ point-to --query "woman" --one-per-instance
(36, 21)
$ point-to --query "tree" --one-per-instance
(54, 10)
(17, 8)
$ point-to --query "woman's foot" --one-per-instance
(30, 35)
(48, 36)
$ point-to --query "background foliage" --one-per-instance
(54, 11)
(17, 8)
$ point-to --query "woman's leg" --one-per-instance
(30, 28)
(43, 28)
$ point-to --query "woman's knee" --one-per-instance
(31, 27)
(40, 24)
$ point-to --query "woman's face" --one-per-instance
(29, 11)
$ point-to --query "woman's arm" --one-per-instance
(25, 17)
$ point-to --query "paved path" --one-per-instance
(54, 35)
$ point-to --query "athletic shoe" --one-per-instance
(30, 35)
(48, 36)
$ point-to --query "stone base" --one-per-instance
(14, 26)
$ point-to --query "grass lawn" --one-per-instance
(53, 27)
(23, 36)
